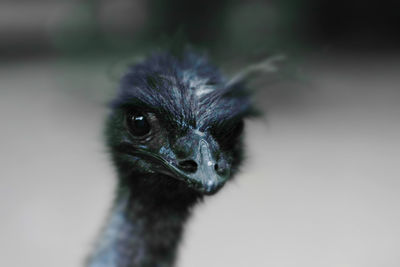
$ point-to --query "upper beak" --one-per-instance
(200, 170)
(205, 174)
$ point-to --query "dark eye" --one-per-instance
(228, 134)
(137, 123)
(237, 130)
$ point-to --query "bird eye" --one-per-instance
(238, 129)
(227, 134)
(138, 124)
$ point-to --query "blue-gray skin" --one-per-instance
(175, 135)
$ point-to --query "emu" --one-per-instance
(175, 135)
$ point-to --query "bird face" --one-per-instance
(196, 157)
(180, 119)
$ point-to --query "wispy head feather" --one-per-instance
(188, 90)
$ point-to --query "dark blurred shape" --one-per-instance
(201, 21)
(47, 27)
(235, 28)
(24, 26)
(95, 26)
(352, 24)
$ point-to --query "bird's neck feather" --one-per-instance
(145, 224)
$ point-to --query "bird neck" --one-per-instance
(144, 227)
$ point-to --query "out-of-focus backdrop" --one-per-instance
(322, 179)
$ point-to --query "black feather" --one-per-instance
(164, 84)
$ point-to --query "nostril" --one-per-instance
(188, 165)
(221, 169)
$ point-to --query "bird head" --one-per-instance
(178, 118)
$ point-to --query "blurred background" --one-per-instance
(321, 183)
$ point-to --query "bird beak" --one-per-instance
(200, 170)
(206, 176)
